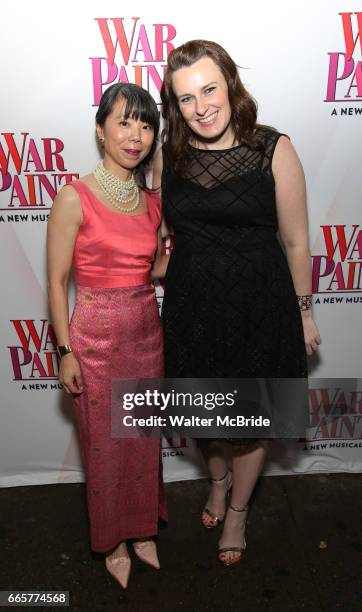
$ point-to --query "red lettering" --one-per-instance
(13, 152)
(341, 242)
(49, 154)
(19, 358)
(349, 40)
(50, 339)
(32, 333)
(50, 364)
(162, 40)
(356, 81)
(33, 158)
(337, 278)
(38, 367)
(121, 39)
(319, 400)
(356, 402)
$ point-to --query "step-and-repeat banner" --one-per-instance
(304, 68)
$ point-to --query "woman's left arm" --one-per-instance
(293, 228)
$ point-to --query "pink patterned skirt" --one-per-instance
(117, 333)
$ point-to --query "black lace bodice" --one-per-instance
(230, 307)
(221, 191)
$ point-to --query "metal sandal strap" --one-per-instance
(245, 509)
(211, 514)
(219, 479)
(231, 549)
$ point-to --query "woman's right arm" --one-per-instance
(157, 167)
(63, 224)
(161, 261)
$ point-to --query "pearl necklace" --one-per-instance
(117, 191)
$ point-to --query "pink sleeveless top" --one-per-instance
(114, 249)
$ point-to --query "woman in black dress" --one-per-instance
(235, 305)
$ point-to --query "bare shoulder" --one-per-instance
(88, 179)
(67, 205)
(285, 157)
(69, 195)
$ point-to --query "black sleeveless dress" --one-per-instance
(230, 308)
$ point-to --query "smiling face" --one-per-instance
(203, 100)
(126, 141)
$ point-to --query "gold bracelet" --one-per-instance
(64, 350)
(305, 301)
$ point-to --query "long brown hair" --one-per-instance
(176, 134)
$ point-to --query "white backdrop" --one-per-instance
(53, 68)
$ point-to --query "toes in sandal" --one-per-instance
(216, 520)
(222, 554)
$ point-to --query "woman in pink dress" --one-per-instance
(106, 226)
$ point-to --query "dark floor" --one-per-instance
(304, 550)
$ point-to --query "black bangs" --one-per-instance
(140, 104)
(138, 107)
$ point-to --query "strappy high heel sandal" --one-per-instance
(216, 520)
(233, 549)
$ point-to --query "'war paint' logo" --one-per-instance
(339, 270)
(344, 83)
(34, 357)
(135, 53)
(31, 172)
(335, 413)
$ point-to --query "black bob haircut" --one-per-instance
(139, 105)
